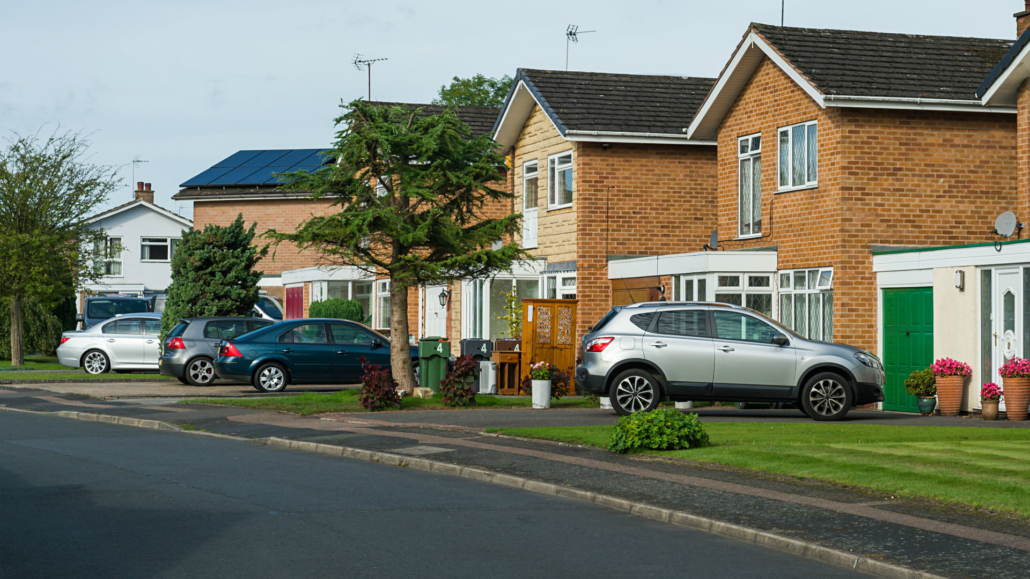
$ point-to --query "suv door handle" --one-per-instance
(110, 339)
(659, 344)
(287, 350)
(725, 349)
(341, 351)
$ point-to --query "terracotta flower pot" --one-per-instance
(1017, 397)
(990, 409)
(949, 394)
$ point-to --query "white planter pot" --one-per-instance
(684, 405)
(606, 403)
(541, 393)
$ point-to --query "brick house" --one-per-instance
(834, 145)
(245, 183)
(602, 169)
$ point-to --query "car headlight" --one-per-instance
(868, 360)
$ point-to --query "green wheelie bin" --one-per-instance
(433, 353)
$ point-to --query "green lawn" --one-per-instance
(347, 401)
(32, 363)
(77, 377)
(980, 467)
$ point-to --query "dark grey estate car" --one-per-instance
(190, 349)
(641, 354)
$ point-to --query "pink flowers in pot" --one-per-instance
(990, 391)
(541, 370)
(1015, 368)
(949, 367)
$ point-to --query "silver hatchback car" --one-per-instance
(641, 354)
(123, 343)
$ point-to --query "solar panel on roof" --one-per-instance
(234, 176)
(317, 158)
(263, 176)
(295, 156)
(206, 177)
(238, 158)
(265, 159)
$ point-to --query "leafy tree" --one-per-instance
(48, 191)
(410, 188)
(213, 274)
(477, 91)
(41, 329)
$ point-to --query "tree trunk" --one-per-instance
(400, 350)
(17, 337)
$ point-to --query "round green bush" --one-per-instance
(339, 309)
(662, 429)
(921, 383)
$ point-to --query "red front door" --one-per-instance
(294, 303)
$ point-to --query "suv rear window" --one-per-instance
(604, 321)
(642, 321)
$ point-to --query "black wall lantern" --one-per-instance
(445, 297)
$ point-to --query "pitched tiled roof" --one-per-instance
(623, 103)
(125, 206)
(875, 64)
(480, 120)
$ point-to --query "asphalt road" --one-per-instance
(82, 499)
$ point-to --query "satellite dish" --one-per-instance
(713, 241)
(1005, 224)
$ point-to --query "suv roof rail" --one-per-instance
(660, 304)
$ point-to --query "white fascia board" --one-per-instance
(325, 273)
(952, 105)
(908, 278)
(270, 281)
(522, 102)
(980, 256)
(696, 262)
(751, 43)
(645, 138)
(1009, 80)
(116, 287)
(528, 268)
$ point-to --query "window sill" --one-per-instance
(801, 188)
(557, 207)
(746, 237)
(155, 261)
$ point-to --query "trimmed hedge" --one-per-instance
(662, 429)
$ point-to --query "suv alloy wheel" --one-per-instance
(634, 391)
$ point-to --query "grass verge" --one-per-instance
(32, 363)
(978, 467)
(30, 377)
(347, 401)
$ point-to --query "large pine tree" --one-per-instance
(410, 188)
(213, 274)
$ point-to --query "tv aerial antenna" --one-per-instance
(571, 34)
(1006, 226)
(361, 62)
(137, 160)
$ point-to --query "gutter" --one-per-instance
(908, 102)
(621, 136)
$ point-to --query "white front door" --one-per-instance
(1008, 310)
(436, 315)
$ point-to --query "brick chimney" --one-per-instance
(143, 191)
(1023, 19)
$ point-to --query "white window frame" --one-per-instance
(747, 152)
(476, 319)
(106, 258)
(789, 131)
(143, 243)
(552, 189)
(560, 290)
(526, 175)
(679, 292)
(785, 282)
(382, 292)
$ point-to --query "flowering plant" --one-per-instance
(1015, 368)
(990, 391)
(948, 367)
(541, 370)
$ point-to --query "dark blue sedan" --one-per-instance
(302, 351)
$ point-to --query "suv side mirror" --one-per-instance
(80, 318)
(780, 340)
(376, 344)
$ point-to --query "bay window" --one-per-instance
(806, 302)
(560, 286)
(484, 305)
(357, 290)
(749, 199)
(559, 180)
(798, 156)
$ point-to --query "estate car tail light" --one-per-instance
(175, 344)
(64, 339)
(599, 344)
(230, 351)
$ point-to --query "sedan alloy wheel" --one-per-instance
(270, 378)
(95, 362)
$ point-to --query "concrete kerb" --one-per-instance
(796, 547)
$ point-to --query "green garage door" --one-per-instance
(907, 342)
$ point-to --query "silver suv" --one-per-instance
(641, 354)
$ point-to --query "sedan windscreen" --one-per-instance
(104, 309)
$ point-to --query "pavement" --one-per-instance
(917, 534)
(162, 389)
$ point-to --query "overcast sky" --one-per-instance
(185, 84)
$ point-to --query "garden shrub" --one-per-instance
(662, 429)
(339, 309)
(379, 389)
(560, 381)
(41, 329)
(456, 386)
(921, 383)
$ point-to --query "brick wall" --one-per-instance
(886, 177)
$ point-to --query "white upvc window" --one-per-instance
(110, 254)
(382, 304)
(484, 304)
(806, 302)
(690, 288)
(530, 204)
(799, 156)
(559, 286)
(752, 290)
(749, 179)
(559, 180)
(155, 249)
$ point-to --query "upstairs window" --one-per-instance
(110, 254)
(529, 185)
(749, 206)
(559, 180)
(798, 166)
(156, 249)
